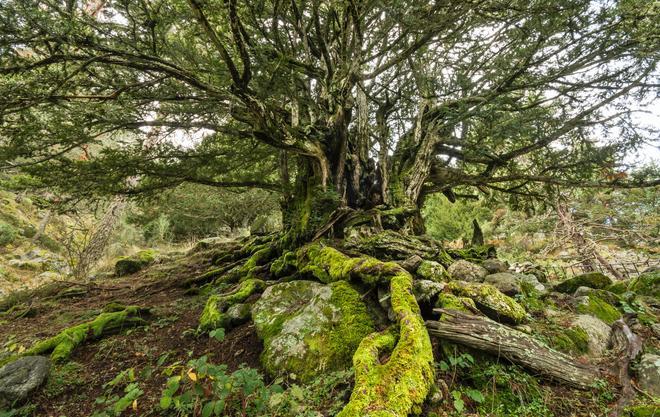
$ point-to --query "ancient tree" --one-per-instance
(352, 111)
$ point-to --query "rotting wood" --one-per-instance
(484, 334)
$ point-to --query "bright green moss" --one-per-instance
(132, 264)
(647, 410)
(646, 284)
(598, 308)
(327, 264)
(399, 386)
(283, 265)
(354, 324)
(618, 287)
(490, 301)
(63, 344)
(572, 340)
(453, 302)
(594, 280)
(212, 316)
(432, 270)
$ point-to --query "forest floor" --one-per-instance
(169, 340)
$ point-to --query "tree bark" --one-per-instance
(484, 334)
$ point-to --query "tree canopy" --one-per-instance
(380, 102)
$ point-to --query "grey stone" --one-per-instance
(427, 291)
(411, 264)
(237, 315)
(511, 283)
(467, 271)
(431, 270)
(20, 378)
(597, 331)
(648, 374)
(493, 266)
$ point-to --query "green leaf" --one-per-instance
(208, 409)
(475, 395)
(459, 405)
(218, 334)
(165, 402)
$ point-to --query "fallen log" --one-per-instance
(490, 336)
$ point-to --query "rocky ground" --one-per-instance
(288, 352)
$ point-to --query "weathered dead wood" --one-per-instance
(484, 334)
(626, 345)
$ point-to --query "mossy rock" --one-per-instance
(595, 280)
(309, 328)
(607, 296)
(135, 263)
(647, 284)
(453, 302)
(490, 301)
(618, 287)
(432, 271)
(596, 307)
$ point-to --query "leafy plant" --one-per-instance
(114, 404)
(206, 389)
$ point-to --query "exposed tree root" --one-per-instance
(626, 345)
(400, 385)
(63, 344)
(213, 315)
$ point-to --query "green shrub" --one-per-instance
(8, 234)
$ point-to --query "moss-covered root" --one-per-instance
(399, 386)
(213, 315)
(63, 344)
(490, 301)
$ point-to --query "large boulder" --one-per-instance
(597, 331)
(308, 328)
(467, 271)
(648, 374)
(511, 283)
(595, 280)
(20, 378)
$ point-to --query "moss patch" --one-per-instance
(646, 284)
(132, 264)
(490, 301)
(594, 280)
(307, 327)
(63, 344)
(212, 317)
(598, 308)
